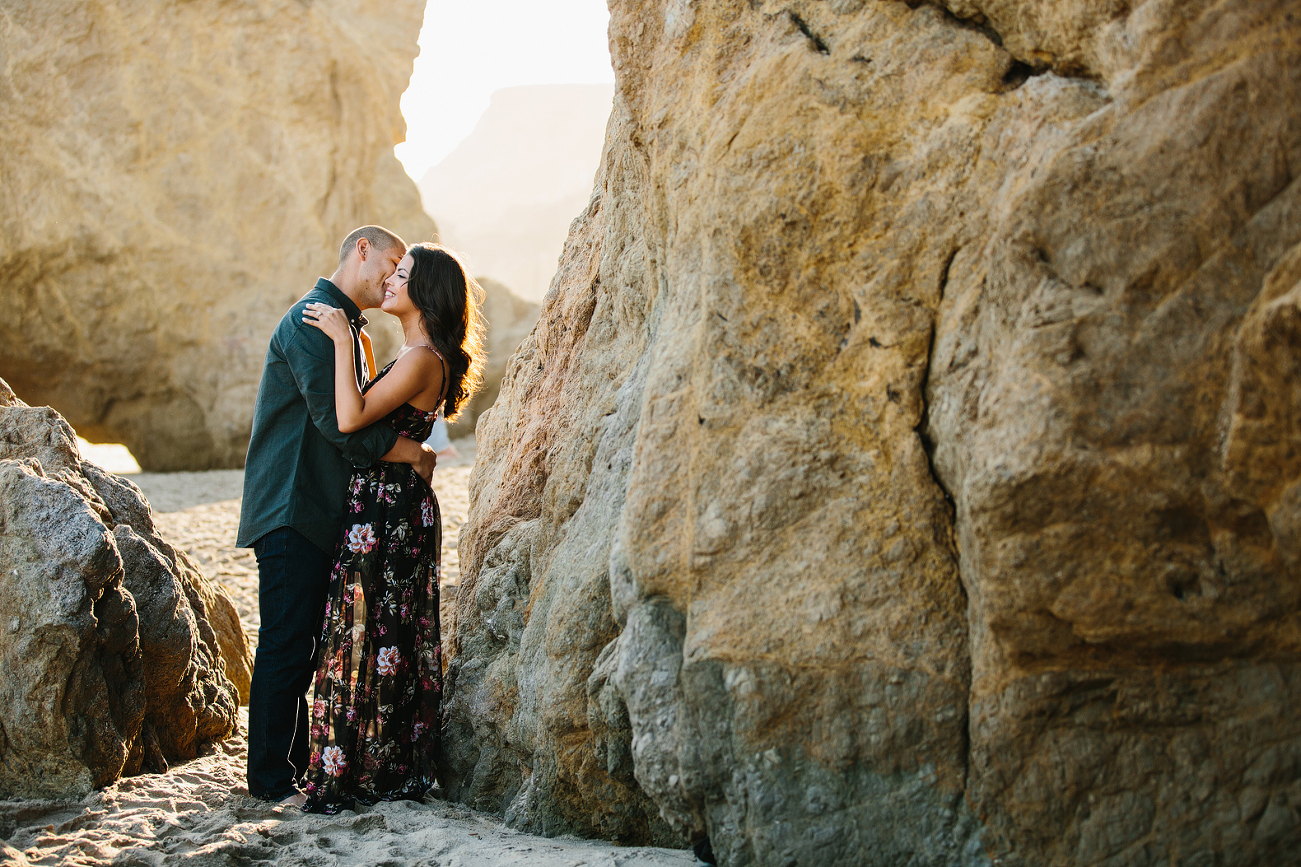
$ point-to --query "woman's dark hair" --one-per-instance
(449, 301)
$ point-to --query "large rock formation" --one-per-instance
(109, 660)
(510, 318)
(905, 466)
(506, 196)
(175, 176)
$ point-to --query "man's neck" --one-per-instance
(348, 286)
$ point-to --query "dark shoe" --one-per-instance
(290, 800)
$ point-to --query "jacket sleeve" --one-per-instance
(310, 356)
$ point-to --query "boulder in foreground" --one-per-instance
(109, 662)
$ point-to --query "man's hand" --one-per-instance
(420, 456)
(424, 467)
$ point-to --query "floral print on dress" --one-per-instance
(361, 538)
(387, 661)
(333, 761)
(379, 681)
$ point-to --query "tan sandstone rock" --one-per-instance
(175, 176)
(109, 662)
(904, 468)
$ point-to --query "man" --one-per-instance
(295, 477)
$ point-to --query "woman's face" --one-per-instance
(396, 300)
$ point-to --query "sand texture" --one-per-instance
(200, 814)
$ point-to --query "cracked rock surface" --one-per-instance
(117, 655)
(904, 468)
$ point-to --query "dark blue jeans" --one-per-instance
(293, 577)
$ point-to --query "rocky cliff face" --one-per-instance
(175, 176)
(905, 466)
(116, 655)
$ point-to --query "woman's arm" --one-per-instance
(309, 354)
(348, 399)
(415, 375)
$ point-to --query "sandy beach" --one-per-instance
(200, 813)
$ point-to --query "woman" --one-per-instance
(375, 717)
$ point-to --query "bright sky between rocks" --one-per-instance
(470, 49)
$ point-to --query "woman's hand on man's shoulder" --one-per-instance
(332, 320)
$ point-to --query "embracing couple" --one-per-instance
(339, 511)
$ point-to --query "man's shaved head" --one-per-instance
(378, 237)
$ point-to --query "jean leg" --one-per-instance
(293, 577)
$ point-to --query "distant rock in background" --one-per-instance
(510, 319)
(175, 176)
(117, 655)
(506, 196)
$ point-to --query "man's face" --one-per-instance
(376, 267)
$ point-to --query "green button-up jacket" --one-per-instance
(298, 463)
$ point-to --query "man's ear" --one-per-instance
(363, 247)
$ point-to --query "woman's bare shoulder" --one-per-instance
(419, 363)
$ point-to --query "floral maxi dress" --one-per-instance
(379, 681)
